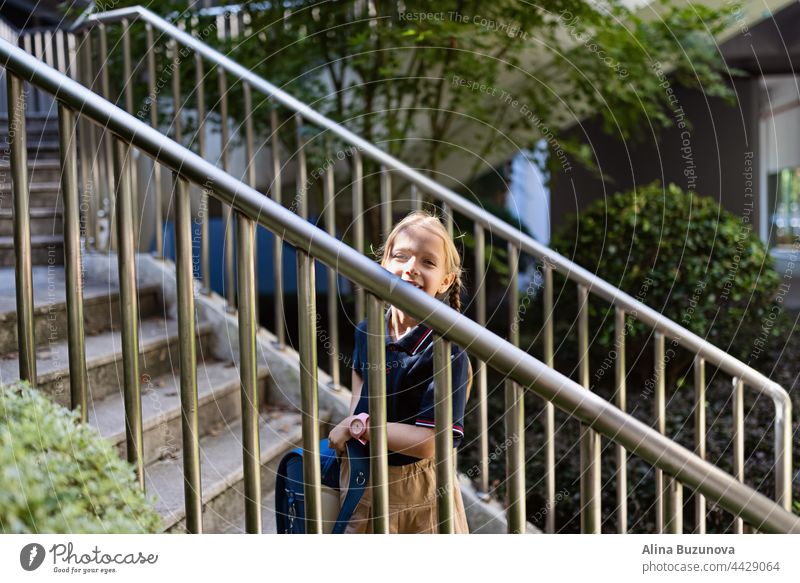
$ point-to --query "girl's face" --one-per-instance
(418, 257)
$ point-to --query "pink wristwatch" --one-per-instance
(358, 427)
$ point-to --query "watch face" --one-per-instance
(357, 426)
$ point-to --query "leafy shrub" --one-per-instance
(58, 475)
(682, 255)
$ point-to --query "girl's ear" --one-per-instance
(446, 283)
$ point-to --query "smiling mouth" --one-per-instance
(415, 284)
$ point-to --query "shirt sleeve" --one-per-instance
(426, 416)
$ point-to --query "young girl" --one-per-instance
(421, 252)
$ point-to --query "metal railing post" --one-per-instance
(549, 410)
(738, 441)
(190, 430)
(515, 413)
(378, 449)
(700, 436)
(333, 279)
(358, 225)
(248, 327)
(622, 455)
(227, 212)
(153, 106)
(129, 310)
(205, 266)
(481, 372)
(386, 203)
(589, 439)
(23, 270)
(78, 375)
(307, 318)
(660, 414)
(277, 247)
(443, 398)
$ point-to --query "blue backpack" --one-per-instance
(289, 494)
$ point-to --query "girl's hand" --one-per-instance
(340, 435)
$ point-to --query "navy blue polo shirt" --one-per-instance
(409, 381)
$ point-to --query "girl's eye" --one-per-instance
(431, 263)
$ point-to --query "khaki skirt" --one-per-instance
(412, 501)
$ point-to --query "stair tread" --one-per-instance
(214, 379)
(37, 212)
(33, 186)
(49, 290)
(36, 240)
(220, 462)
(52, 360)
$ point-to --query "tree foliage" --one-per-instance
(429, 80)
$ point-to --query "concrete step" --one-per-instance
(44, 221)
(219, 404)
(158, 355)
(222, 474)
(39, 147)
(45, 195)
(100, 309)
(45, 250)
(45, 170)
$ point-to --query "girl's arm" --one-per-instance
(411, 440)
(358, 382)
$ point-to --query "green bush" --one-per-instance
(59, 476)
(682, 255)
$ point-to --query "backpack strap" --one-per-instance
(358, 457)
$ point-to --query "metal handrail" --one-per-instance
(587, 281)
(519, 366)
(573, 271)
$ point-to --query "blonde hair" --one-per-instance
(431, 222)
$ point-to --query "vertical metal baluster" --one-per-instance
(78, 376)
(386, 202)
(358, 224)
(378, 449)
(416, 198)
(673, 506)
(230, 289)
(129, 311)
(23, 270)
(333, 287)
(251, 172)
(107, 138)
(205, 267)
(515, 414)
(78, 70)
(700, 436)
(738, 441)
(128, 75)
(448, 216)
(38, 52)
(153, 104)
(480, 317)
(622, 455)
(549, 411)
(443, 398)
(307, 317)
(60, 56)
(192, 489)
(245, 229)
(92, 156)
(783, 451)
(660, 424)
(277, 261)
(589, 439)
(177, 109)
(301, 200)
